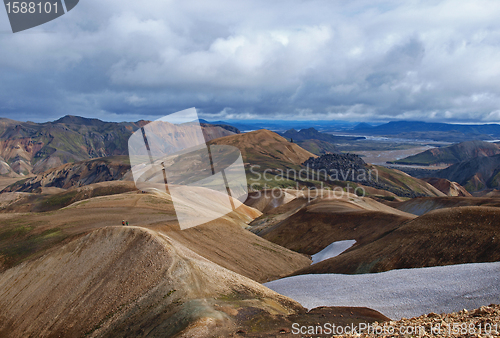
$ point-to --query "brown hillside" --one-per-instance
(441, 237)
(267, 199)
(476, 174)
(447, 187)
(265, 147)
(487, 193)
(239, 250)
(326, 220)
(401, 180)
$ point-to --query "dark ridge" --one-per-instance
(398, 127)
(71, 119)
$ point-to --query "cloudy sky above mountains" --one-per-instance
(287, 59)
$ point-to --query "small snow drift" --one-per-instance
(333, 250)
(399, 293)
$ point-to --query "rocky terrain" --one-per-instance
(338, 162)
(76, 174)
(473, 165)
(269, 199)
(317, 142)
(351, 167)
(318, 147)
(263, 152)
(324, 220)
(480, 322)
(131, 281)
(95, 279)
(49, 198)
(263, 147)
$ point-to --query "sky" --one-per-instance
(365, 61)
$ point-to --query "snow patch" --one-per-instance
(333, 250)
(399, 293)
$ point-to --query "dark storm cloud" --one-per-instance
(361, 60)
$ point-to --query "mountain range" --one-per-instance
(270, 160)
(452, 154)
(432, 131)
(475, 174)
(30, 148)
(27, 147)
(473, 165)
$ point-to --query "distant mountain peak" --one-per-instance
(363, 125)
(71, 119)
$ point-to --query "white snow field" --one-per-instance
(399, 293)
(333, 250)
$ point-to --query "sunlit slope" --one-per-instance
(30, 235)
(268, 199)
(266, 148)
(403, 181)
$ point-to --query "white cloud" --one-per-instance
(361, 60)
